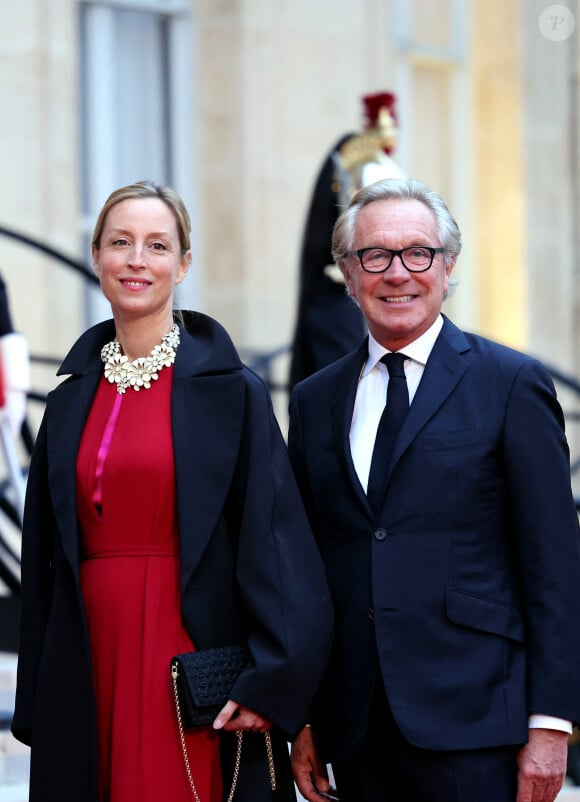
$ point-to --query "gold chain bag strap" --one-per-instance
(202, 681)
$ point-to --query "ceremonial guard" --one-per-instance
(328, 323)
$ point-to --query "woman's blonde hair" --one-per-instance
(147, 189)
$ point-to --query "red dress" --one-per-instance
(130, 584)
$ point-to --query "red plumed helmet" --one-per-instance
(380, 112)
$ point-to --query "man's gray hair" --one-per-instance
(396, 189)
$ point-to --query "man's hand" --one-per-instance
(233, 717)
(542, 766)
(310, 774)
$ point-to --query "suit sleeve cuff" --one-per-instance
(538, 721)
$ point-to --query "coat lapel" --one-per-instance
(207, 409)
(66, 412)
(207, 417)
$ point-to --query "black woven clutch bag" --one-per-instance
(204, 680)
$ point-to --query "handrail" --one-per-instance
(9, 577)
(262, 362)
(49, 250)
(568, 381)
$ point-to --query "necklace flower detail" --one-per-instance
(142, 371)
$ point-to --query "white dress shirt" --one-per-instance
(371, 396)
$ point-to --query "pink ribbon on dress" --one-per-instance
(97, 497)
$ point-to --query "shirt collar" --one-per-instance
(419, 350)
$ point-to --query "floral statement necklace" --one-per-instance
(142, 371)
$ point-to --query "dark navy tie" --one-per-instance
(393, 414)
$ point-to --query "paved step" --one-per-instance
(565, 795)
(14, 756)
(16, 790)
(14, 793)
(14, 765)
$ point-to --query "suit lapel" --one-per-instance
(443, 371)
(344, 396)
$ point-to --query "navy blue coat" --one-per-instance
(250, 570)
(465, 586)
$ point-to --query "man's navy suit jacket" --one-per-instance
(465, 586)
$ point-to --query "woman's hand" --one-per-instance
(234, 716)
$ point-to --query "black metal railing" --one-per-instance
(70, 262)
(264, 363)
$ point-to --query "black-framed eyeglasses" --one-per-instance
(416, 259)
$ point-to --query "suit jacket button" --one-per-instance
(371, 614)
(380, 534)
